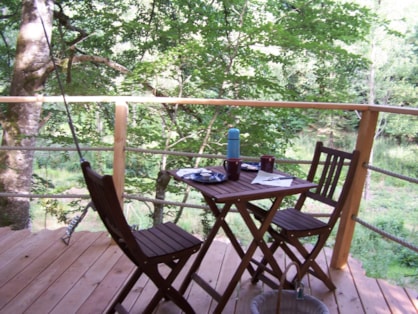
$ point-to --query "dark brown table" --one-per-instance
(220, 198)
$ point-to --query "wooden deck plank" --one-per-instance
(192, 286)
(346, 293)
(148, 292)
(93, 270)
(369, 291)
(57, 290)
(46, 278)
(229, 264)
(29, 269)
(31, 254)
(22, 253)
(88, 282)
(5, 230)
(108, 287)
(9, 238)
(413, 296)
(396, 297)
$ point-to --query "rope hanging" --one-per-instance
(67, 109)
(77, 219)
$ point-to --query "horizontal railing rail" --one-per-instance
(392, 174)
(386, 234)
(213, 102)
(57, 149)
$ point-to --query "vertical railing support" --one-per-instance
(121, 122)
(365, 138)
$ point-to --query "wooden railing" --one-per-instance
(365, 138)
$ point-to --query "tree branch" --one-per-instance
(96, 59)
(65, 21)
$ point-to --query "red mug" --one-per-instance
(267, 163)
(232, 167)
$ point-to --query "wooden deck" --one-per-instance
(40, 274)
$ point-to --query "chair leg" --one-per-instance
(320, 274)
(165, 288)
(117, 303)
(305, 266)
(170, 293)
(309, 264)
(120, 309)
(314, 269)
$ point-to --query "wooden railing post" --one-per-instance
(121, 122)
(365, 138)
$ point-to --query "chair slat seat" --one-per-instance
(164, 240)
(293, 221)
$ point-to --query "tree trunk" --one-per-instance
(20, 122)
(162, 182)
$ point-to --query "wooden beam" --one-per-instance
(144, 100)
(365, 138)
(121, 123)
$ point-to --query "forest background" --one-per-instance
(323, 51)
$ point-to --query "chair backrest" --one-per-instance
(333, 170)
(103, 195)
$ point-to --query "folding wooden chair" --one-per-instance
(291, 225)
(163, 244)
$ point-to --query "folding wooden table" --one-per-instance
(221, 198)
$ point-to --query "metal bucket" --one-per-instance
(266, 303)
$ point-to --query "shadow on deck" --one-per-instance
(40, 274)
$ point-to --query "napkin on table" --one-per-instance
(272, 179)
(188, 171)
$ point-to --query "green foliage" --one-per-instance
(383, 258)
(53, 176)
(402, 129)
(393, 210)
(392, 226)
(248, 49)
(397, 158)
(408, 258)
(207, 221)
(392, 75)
(9, 17)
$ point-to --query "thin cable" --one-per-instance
(70, 121)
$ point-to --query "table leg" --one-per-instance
(220, 217)
(225, 226)
(258, 241)
(246, 257)
(258, 234)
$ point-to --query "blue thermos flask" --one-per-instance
(233, 143)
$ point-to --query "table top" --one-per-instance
(243, 190)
